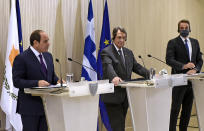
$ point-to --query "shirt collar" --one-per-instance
(117, 47)
(183, 39)
(35, 51)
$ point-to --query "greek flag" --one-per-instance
(89, 58)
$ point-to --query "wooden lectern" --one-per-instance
(72, 108)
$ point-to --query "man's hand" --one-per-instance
(42, 83)
(190, 72)
(190, 65)
(58, 82)
(116, 80)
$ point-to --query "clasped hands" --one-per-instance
(190, 66)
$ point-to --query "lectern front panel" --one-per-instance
(66, 113)
(150, 108)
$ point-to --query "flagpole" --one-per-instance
(10, 8)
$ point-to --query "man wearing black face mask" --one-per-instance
(184, 56)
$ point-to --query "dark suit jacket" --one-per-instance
(177, 57)
(26, 73)
(112, 67)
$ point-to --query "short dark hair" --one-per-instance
(184, 21)
(35, 35)
(115, 30)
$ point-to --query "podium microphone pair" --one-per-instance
(70, 59)
(157, 59)
(153, 58)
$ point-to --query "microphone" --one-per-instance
(57, 60)
(157, 59)
(142, 60)
(143, 65)
(70, 59)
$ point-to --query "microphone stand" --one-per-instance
(57, 60)
(157, 59)
(146, 75)
(142, 60)
(70, 59)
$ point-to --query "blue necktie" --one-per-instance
(187, 48)
(43, 67)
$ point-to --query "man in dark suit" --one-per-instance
(118, 65)
(184, 56)
(33, 68)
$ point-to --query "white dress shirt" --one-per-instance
(37, 55)
(189, 45)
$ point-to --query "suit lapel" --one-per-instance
(126, 57)
(35, 60)
(193, 49)
(48, 65)
(46, 61)
(118, 56)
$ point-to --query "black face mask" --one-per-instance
(184, 33)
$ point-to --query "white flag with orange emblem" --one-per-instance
(9, 92)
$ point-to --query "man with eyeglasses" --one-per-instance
(184, 56)
(118, 65)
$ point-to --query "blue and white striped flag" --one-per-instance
(89, 58)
